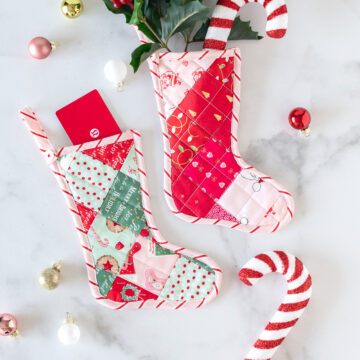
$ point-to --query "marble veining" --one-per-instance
(317, 65)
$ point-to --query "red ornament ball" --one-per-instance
(299, 118)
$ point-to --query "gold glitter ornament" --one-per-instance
(49, 279)
(72, 8)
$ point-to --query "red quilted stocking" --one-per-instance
(206, 179)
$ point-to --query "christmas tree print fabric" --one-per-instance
(206, 179)
(130, 264)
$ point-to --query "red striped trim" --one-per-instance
(60, 151)
(149, 212)
(167, 154)
(267, 260)
(217, 221)
(195, 221)
(257, 228)
(284, 259)
(178, 250)
(302, 288)
(179, 306)
(165, 135)
(66, 192)
(216, 269)
(79, 147)
(284, 192)
(39, 135)
(293, 306)
(100, 298)
(291, 214)
(145, 192)
(143, 172)
(162, 55)
(202, 302)
(234, 137)
(266, 3)
(200, 256)
(167, 174)
(234, 226)
(214, 44)
(154, 73)
(160, 303)
(268, 344)
(153, 228)
(276, 227)
(92, 283)
(216, 288)
(84, 232)
(117, 139)
(236, 97)
(121, 306)
(157, 64)
(86, 248)
(27, 115)
(136, 133)
(237, 120)
(74, 211)
(203, 55)
(89, 265)
(168, 194)
(221, 23)
(229, 4)
(281, 325)
(57, 173)
(158, 94)
(279, 11)
(183, 55)
(142, 304)
(139, 152)
(162, 115)
(239, 57)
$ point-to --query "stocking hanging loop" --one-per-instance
(224, 15)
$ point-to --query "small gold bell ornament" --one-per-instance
(72, 8)
(49, 279)
(69, 332)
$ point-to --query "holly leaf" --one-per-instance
(141, 53)
(241, 30)
(125, 9)
(201, 33)
(152, 16)
(137, 14)
(182, 15)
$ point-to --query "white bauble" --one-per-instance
(115, 71)
(69, 334)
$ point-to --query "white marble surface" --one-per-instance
(317, 66)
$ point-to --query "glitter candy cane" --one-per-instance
(289, 312)
(226, 11)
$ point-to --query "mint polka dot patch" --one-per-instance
(188, 281)
(88, 179)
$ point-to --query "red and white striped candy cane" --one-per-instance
(296, 299)
(224, 15)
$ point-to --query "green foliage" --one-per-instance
(159, 20)
(182, 15)
(141, 53)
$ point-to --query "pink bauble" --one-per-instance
(40, 48)
(8, 324)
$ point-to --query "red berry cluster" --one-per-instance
(119, 3)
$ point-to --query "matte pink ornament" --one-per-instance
(40, 48)
(8, 325)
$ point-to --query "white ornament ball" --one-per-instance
(115, 71)
(69, 334)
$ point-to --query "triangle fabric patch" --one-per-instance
(217, 212)
(123, 290)
(87, 215)
(113, 155)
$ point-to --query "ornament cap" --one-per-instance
(57, 266)
(69, 319)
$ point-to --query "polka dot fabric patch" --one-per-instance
(88, 179)
(188, 281)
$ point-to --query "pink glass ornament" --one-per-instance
(40, 48)
(8, 325)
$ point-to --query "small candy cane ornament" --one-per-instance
(295, 301)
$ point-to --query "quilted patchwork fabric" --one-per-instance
(129, 265)
(197, 98)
